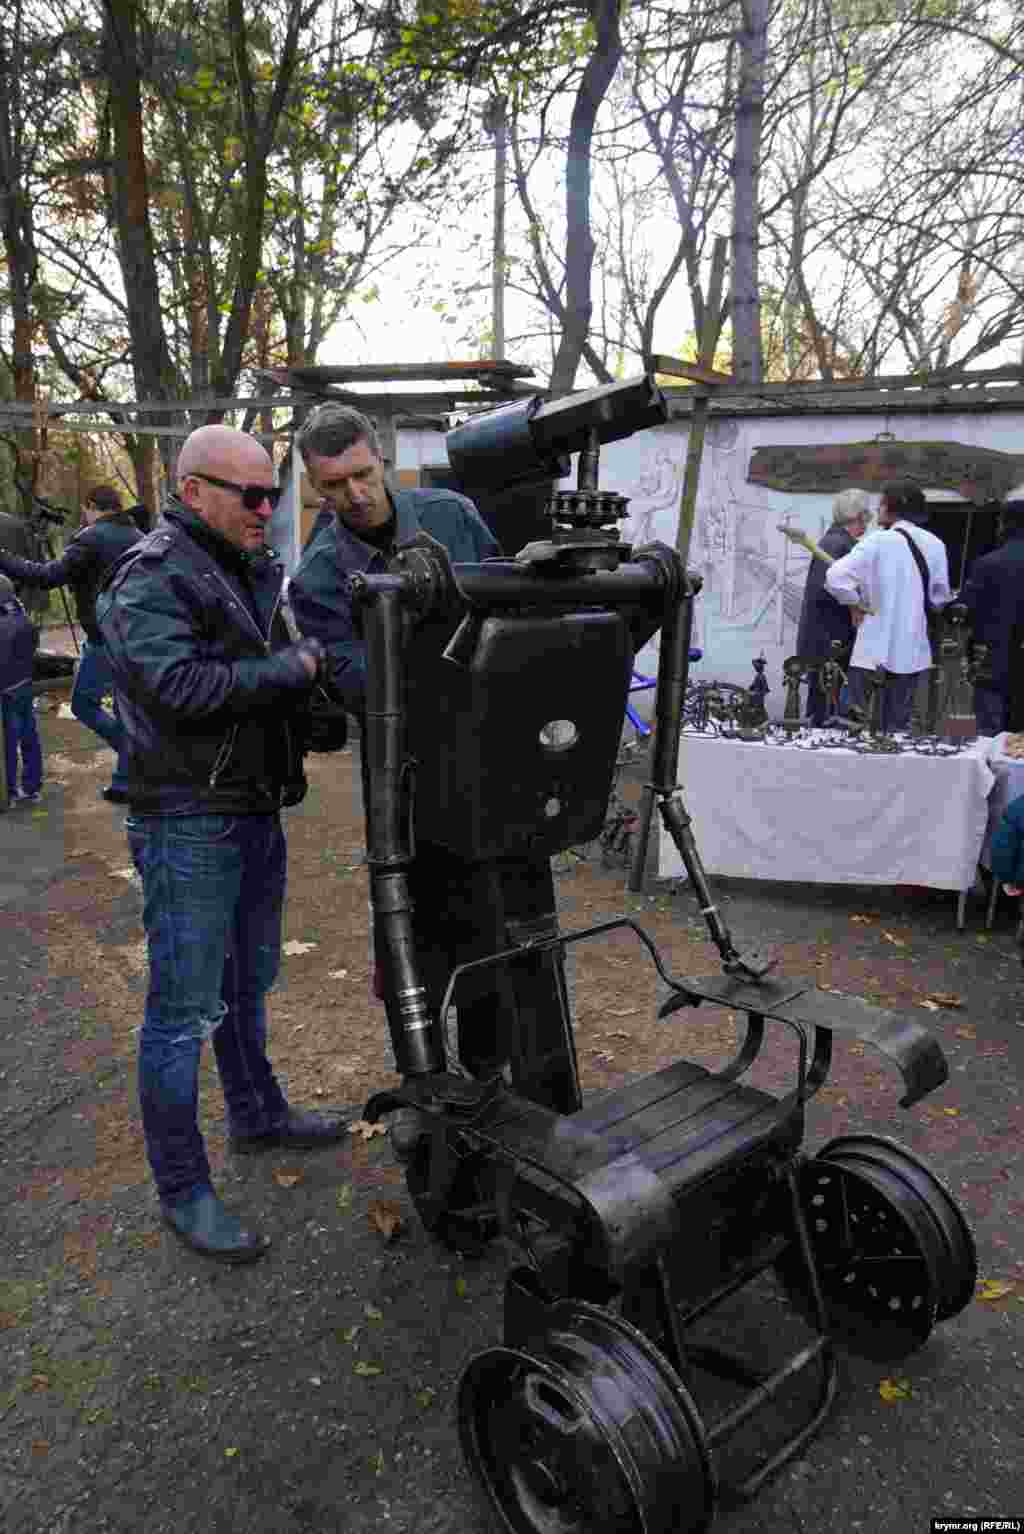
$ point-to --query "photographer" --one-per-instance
(109, 532)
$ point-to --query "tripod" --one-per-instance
(44, 517)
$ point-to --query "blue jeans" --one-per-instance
(21, 734)
(94, 680)
(213, 888)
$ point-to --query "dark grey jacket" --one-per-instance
(822, 618)
(994, 593)
(210, 691)
(82, 566)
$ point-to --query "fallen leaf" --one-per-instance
(385, 1216)
(230, 1453)
(898, 941)
(895, 1390)
(367, 1130)
(966, 1032)
(982, 940)
(460, 1288)
(372, 1313)
(337, 974)
(287, 1179)
(343, 1199)
(424, 1397)
(40, 1446)
(293, 946)
(349, 1333)
(993, 1289)
(377, 1462)
(945, 999)
(865, 921)
(367, 1371)
(951, 1113)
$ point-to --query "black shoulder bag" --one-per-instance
(931, 614)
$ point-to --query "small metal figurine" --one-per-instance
(833, 679)
(793, 673)
(957, 721)
(751, 716)
(759, 688)
(876, 738)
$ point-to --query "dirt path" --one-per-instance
(143, 1388)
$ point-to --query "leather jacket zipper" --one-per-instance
(223, 756)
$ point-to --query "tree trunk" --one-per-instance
(151, 362)
(579, 242)
(746, 302)
(20, 258)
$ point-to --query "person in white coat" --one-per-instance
(883, 580)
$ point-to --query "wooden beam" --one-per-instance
(491, 369)
(695, 371)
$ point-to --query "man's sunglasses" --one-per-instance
(253, 496)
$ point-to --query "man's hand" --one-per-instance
(313, 656)
(857, 616)
(322, 724)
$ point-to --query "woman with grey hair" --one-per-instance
(822, 618)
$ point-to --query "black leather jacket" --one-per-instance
(82, 566)
(209, 690)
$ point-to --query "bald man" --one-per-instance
(214, 701)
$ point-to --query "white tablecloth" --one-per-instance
(833, 816)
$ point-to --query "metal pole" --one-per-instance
(496, 123)
(687, 508)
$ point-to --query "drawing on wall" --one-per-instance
(753, 575)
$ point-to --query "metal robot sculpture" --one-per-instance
(495, 701)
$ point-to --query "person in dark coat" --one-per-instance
(108, 533)
(822, 618)
(994, 595)
(214, 699)
(20, 734)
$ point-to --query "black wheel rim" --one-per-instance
(958, 1269)
(877, 1256)
(590, 1433)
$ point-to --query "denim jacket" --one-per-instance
(320, 591)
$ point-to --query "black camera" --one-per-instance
(42, 511)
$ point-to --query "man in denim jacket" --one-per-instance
(342, 454)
